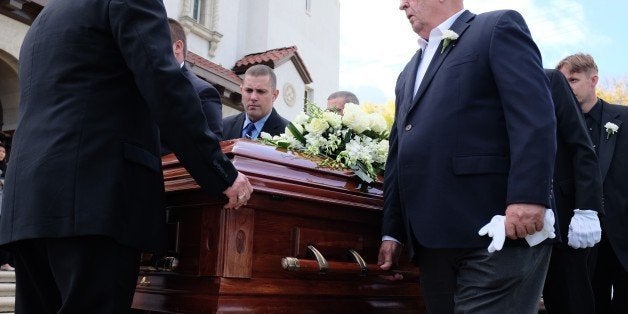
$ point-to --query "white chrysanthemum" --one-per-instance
(317, 126)
(334, 119)
(381, 152)
(377, 123)
(332, 144)
(355, 118)
(358, 150)
(314, 143)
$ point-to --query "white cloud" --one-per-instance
(554, 23)
(376, 39)
(375, 43)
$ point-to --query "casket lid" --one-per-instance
(277, 171)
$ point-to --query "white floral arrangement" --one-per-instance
(357, 139)
(449, 37)
(611, 128)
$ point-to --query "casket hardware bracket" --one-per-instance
(323, 266)
(361, 262)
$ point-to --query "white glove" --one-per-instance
(547, 231)
(495, 229)
(584, 229)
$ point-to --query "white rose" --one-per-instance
(334, 119)
(355, 118)
(611, 127)
(377, 123)
(317, 126)
(301, 118)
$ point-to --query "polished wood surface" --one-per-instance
(230, 260)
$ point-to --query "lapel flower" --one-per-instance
(611, 128)
(449, 37)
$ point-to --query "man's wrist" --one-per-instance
(389, 238)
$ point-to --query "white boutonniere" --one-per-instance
(449, 37)
(611, 128)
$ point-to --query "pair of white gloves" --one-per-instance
(584, 230)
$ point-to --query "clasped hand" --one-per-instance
(498, 226)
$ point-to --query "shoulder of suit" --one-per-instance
(279, 117)
(498, 15)
(232, 118)
(618, 111)
(619, 108)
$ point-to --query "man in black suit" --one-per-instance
(578, 199)
(210, 99)
(604, 122)
(259, 92)
(473, 139)
(84, 188)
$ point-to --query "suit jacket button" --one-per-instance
(408, 127)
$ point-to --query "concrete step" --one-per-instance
(7, 304)
(7, 290)
(7, 276)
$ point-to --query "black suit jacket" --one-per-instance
(613, 159)
(233, 125)
(577, 180)
(95, 83)
(479, 135)
(210, 101)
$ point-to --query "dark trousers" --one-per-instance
(90, 274)
(568, 283)
(475, 281)
(610, 281)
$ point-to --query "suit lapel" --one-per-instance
(607, 146)
(236, 128)
(459, 26)
(271, 124)
(413, 66)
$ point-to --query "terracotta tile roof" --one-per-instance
(274, 58)
(207, 65)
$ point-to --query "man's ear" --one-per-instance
(594, 79)
(177, 47)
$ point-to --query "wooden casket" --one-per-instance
(306, 242)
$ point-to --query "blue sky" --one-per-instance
(376, 39)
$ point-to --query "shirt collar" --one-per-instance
(596, 112)
(259, 124)
(437, 33)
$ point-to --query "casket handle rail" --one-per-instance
(322, 266)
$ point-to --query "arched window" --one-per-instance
(199, 17)
(197, 9)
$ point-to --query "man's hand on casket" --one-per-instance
(239, 192)
(389, 252)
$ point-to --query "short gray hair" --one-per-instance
(263, 70)
(349, 97)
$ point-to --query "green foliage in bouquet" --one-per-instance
(357, 139)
